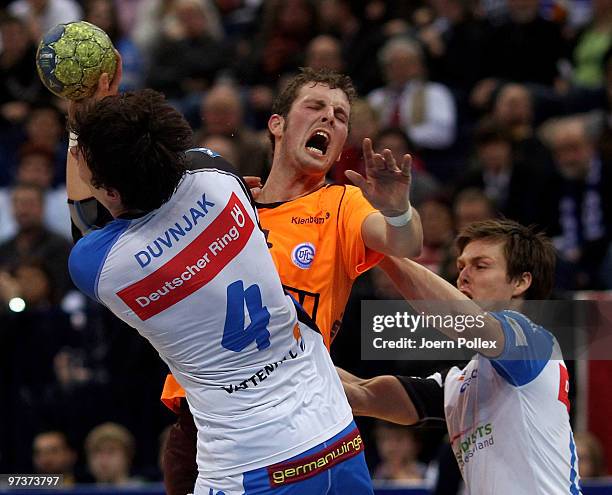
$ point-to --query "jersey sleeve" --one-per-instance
(86, 216)
(89, 254)
(427, 395)
(354, 209)
(528, 348)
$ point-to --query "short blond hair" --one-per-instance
(110, 432)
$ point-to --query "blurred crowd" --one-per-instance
(505, 106)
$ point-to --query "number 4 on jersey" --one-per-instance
(235, 336)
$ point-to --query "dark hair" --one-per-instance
(334, 80)
(134, 143)
(489, 131)
(525, 249)
(396, 132)
(40, 192)
(29, 149)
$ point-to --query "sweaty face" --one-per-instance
(483, 272)
(315, 129)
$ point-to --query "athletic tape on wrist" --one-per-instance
(400, 220)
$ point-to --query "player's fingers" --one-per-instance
(103, 84)
(368, 152)
(114, 87)
(356, 178)
(252, 181)
(406, 167)
(389, 161)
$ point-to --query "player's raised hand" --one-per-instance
(386, 184)
(254, 184)
(106, 87)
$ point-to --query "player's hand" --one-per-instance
(386, 184)
(106, 87)
(254, 184)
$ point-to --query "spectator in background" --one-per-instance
(287, 27)
(424, 110)
(36, 167)
(471, 205)
(584, 204)
(155, 19)
(423, 185)
(518, 192)
(43, 129)
(42, 15)
(324, 52)
(592, 45)
(29, 280)
(525, 48)
(455, 45)
(19, 82)
(398, 451)
(109, 448)
(220, 144)
(187, 61)
(360, 39)
(104, 14)
(438, 233)
(52, 454)
(603, 116)
(591, 455)
(33, 239)
(223, 115)
(513, 111)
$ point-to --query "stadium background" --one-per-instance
(493, 83)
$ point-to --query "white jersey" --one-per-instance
(196, 279)
(508, 418)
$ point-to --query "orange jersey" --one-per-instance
(318, 250)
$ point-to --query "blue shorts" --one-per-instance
(334, 467)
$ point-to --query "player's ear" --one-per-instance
(339, 157)
(521, 284)
(112, 194)
(276, 124)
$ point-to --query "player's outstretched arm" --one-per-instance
(77, 189)
(397, 230)
(382, 397)
(421, 287)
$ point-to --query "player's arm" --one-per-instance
(421, 287)
(396, 229)
(398, 399)
(382, 397)
(85, 211)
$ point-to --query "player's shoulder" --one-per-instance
(202, 159)
(90, 252)
(517, 322)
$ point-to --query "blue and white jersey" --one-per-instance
(196, 279)
(508, 418)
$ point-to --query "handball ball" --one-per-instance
(71, 57)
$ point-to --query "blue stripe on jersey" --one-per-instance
(89, 254)
(574, 490)
(527, 349)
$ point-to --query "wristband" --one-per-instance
(72, 139)
(400, 220)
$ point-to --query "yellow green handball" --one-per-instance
(71, 57)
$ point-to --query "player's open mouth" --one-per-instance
(318, 142)
(466, 292)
